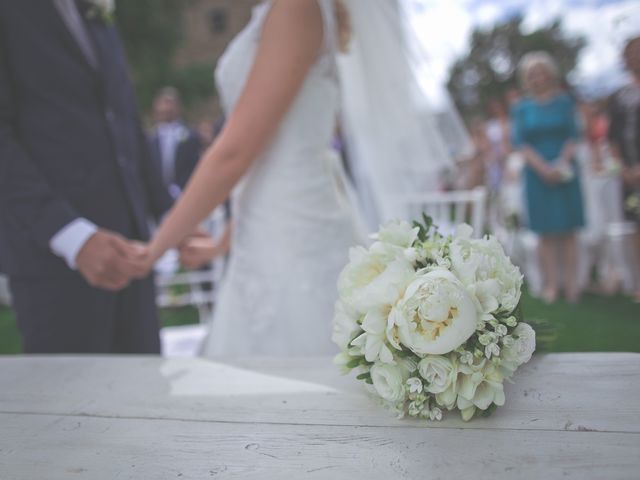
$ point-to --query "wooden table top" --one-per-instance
(567, 416)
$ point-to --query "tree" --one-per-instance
(490, 68)
(152, 31)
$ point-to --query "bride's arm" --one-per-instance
(290, 42)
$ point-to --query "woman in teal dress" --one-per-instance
(545, 131)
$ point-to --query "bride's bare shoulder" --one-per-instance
(310, 8)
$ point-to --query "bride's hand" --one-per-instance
(140, 259)
(195, 252)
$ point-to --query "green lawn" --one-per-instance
(597, 324)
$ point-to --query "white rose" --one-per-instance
(438, 371)
(521, 348)
(388, 381)
(345, 325)
(372, 280)
(436, 314)
(398, 233)
(441, 374)
(484, 268)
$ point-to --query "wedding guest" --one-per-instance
(208, 130)
(512, 97)
(177, 147)
(497, 133)
(545, 132)
(76, 180)
(204, 129)
(596, 127)
(624, 135)
(473, 169)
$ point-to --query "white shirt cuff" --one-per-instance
(68, 242)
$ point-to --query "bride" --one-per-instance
(292, 229)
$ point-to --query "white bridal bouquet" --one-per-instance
(430, 322)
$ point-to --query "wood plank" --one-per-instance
(597, 392)
(53, 448)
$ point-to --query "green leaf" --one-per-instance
(354, 362)
(489, 411)
(422, 233)
(428, 221)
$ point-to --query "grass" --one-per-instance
(10, 342)
(597, 324)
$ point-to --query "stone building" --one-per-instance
(209, 26)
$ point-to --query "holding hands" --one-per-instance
(551, 174)
(110, 262)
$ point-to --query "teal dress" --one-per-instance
(546, 127)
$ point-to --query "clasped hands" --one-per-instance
(560, 171)
(110, 262)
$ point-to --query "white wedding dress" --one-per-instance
(293, 224)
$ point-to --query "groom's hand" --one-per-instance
(106, 261)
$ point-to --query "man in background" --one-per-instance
(176, 147)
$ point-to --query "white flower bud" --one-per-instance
(492, 350)
(415, 385)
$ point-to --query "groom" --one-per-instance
(76, 181)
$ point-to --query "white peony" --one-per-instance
(441, 374)
(374, 279)
(388, 381)
(436, 314)
(520, 349)
(488, 273)
(345, 325)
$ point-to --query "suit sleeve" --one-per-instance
(25, 195)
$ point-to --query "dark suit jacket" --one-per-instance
(71, 143)
(187, 156)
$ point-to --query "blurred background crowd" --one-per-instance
(558, 157)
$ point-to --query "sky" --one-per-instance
(444, 27)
